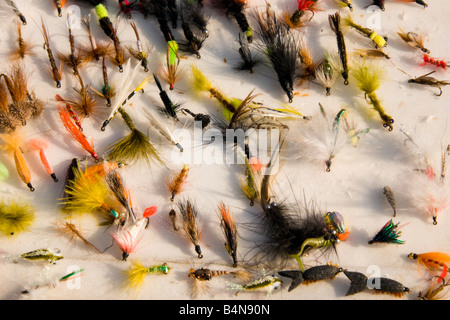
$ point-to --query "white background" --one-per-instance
(353, 187)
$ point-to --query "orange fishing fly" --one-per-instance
(73, 129)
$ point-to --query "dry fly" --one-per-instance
(55, 70)
(390, 198)
(95, 51)
(414, 40)
(69, 228)
(175, 183)
(74, 60)
(170, 73)
(187, 217)
(228, 225)
(24, 48)
(118, 58)
(108, 90)
(426, 80)
(139, 53)
(23, 104)
(203, 275)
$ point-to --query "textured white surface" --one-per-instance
(353, 187)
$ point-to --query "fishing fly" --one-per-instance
(428, 190)
(41, 145)
(379, 41)
(427, 80)
(194, 38)
(389, 233)
(193, 11)
(123, 97)
(59, 4)
(139, 53)
(75, 132)
(266, 283)
(360, 282)
(335, 25)
(414, 40)
(137, 272)
(187, 217)
(50, 282)
(324, 140)
(13, 144)
(439, 63)
(22, 105)
(67, 227)
(24, 47)
(176, 182)
(248, 60)
(387, 191)
(229, 228)
(95, 50)
(132, 147)
(281, 47)
(236, 9)
(311, 275)
(170, 73)
(108, 90)
(11, 5)
(345, 3)
(431, 260)
(56, 70)
(203, 275)
(48, 255)
(302, 14)
(369, 78)
(16, 217)
(326, 73)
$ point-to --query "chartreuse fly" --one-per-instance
(50, 255)
(268, 284)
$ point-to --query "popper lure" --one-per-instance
(311, 275)
(388, 234)
(12, 144)
(369, 78)
(360, 282)
(15, 216)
